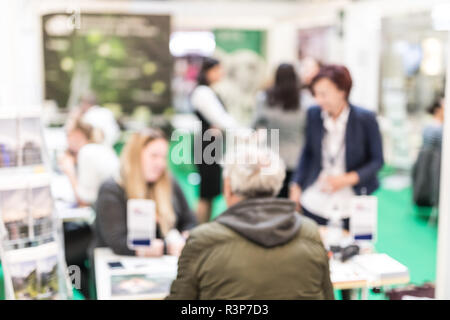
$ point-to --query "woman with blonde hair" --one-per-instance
(143, 175)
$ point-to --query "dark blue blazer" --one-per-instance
(363, 149)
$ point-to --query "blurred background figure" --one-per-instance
(87, 163)
(211, 111)
(279, 108)
(100, 118)
(342, 153)
(427, 168)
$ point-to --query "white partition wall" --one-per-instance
(21, 81)
(443, 258)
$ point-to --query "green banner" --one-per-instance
(242, 53)
(232, 40)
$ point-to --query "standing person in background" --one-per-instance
(427, 168)
(279, 108)
(342, 153)
(86, 163)
(210, 110)
(100, 118)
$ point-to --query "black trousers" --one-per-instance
(284, 192)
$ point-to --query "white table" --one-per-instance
(348, 275)
(65, 202)
(358, 273)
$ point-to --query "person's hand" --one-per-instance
(294, 194)
(175, 248)
(334, 183)
(67, 164)
(156, 249)
(175, 242)
(185, 234)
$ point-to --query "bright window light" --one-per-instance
(200, 42)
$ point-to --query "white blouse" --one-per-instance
(96, 163)
(205, 101)
(314, 199)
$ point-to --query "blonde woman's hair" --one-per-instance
(136, 187)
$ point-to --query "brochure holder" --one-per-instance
(31, 234)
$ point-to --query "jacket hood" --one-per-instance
(268, 222)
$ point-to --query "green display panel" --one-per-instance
(231, 40)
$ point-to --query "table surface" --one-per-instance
(136, 268)
(350, 279)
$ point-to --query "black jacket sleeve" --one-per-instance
(375, 148)
(186, 219)
(111, 218)
(305, 154)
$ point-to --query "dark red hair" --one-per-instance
(337, 74)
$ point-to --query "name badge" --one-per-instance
(141, 223)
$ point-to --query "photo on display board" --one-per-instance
(14, 212)
(140, 286)
(34, 272)
(26, 207)
(8, 143)
(31, 141)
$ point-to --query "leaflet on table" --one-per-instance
(380, 266)
(141, 222)
(148, 278)
(155, 265)
(26, 206)
(346, 272)
(363, 217)
(33, 272)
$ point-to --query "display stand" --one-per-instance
(31, 237)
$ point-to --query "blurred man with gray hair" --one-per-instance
(260, 247)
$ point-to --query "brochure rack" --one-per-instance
(31, 236)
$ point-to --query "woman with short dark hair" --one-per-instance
(342, 153)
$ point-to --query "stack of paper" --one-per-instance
(381, 267)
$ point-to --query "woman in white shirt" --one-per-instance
(210, 110)
(87, 164)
